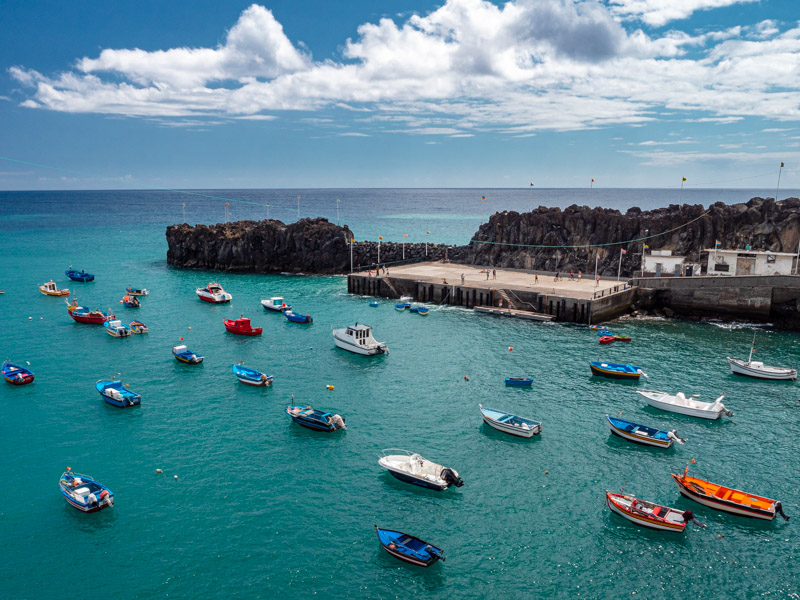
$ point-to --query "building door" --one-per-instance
(689, 270)
(658, 269)
(745, 265)
(677, 271)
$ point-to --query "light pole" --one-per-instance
(405, 235)
(779, 182)
(227, 204)
(352, 241)
(183, 206)
(337, 211)
(380, 237)
(298, 208)
(591, 185)
(646, 231)
(426, 241)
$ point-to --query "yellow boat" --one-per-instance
(50, 289)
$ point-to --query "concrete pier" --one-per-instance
(572, 300)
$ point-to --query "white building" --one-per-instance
(661, 263)
(749, 262)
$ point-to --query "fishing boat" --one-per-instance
(241, 326)
(648, 514)
(642, 434)
(138, 327)
(297, 318)
(15, 374)
(251, 376)
(318, 420)
(213, 293)
(679, 403)
(508, 423)
(130, 302)
(726, 499)
(184, 355)
(81, 314)
(606, 339)
(616, 370)
(622, 338)
(602, 332)
(76, 275)
(400, 307)
(116, 393)
(276, 304)
(50, 289)
(413, 468)
(84, 493)
(423, 311)
(759, 370)
(137, 291)
(116, 328)
(519, 381)
(598, 327)
(374, 304)
(408, 548)
(358, 339)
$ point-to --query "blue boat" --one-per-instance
(84, 493)
(602, 332)
(615, 370)
(297, 318)
(184, 355)
(117, 394)
(519, 381)
(400, 307)
(81, 275)
(130, 301)
(315, 419)
(251, 376)
(374, 304)
(15, 374)
(423, 311)
(642, 434)
(408, 548)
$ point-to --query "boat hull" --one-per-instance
(639, 439)
(712, 415)
(239, 331)
(356, 349)
(256, 383)
(16, 375)
(387, 541)
(517, 431)
(64, 292)
(189, 361)
(740, 367)
(722, 505)
(86, 319)
(408, 478)
(642, 520)
(519, 382)
(612, 373)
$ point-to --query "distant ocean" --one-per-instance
(262, 508)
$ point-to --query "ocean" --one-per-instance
(262, 507)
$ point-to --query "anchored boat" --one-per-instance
(297, 318)
(317, 420)
(130, 301)
(251, 376)
(642, 434)
(648, 514)
(519, 381)
(81, 314)
(184, 355)
(508, 423)
(117, 394)
(679, 403)
(116, 328)
(15, 374)
(84, 493)
(358, 339)
(616, 370)
(759, 370)
(51, 289)
(241, 326)
(76, 275)
(213, 293)
(276, 304)
(408, 548)
(139, 327)
(413, 468)
(136, 291)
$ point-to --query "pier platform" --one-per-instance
(526, 293)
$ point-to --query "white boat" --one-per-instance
(508, 423)
(213, 293)
(406, 299)
(116, 328)
(358, 338)
(759, 370)
(679, 403)
(413, 468)
(276, 303)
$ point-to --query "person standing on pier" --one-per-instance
(487, 274)
(462, 279)
(535, 278)
(494, 273)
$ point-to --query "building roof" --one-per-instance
(743, 251)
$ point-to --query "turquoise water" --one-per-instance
(262, 506)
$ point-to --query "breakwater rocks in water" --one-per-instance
(306, 246)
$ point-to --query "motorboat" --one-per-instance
(413, 468)
(241, 326)
(137, 291)
(81, 314)
(76, 275)
(130, 301)
(251, 376)
(117, 394)
(184, 355)
(508, 423)
(319, 420)
(213, 293)
(276, 303)
(138, 327)
(519, 381)
(727, 499)
(116, 328)
(648, 514)
(16, 374)
(84, 493)
(606, 339)
(642, 434)
(358, 338)
(616, 370)
(297, 317)
(759, 370)
(408, 548)
(679, 403)
(374, 304)
(51, 289)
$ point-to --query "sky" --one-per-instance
(403, 93)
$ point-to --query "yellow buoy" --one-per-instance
(329, 387)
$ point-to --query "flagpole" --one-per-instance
(619, 269)
(379, 251)
(596, 259)
(298, 208)
(352, 239)
(405, 235)
(680, 198)
(591, 185)
(337, 211)
(779, 182)
(184, 211)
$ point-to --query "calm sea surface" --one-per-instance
(262, 507)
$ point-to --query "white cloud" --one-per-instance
(662, 158)
(661, 12)
(353, 134)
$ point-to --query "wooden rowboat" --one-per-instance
(648, 514)
(408, 548)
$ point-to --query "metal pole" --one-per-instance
(591, 185)
(619, 269)
(379, 251)
(267, 212)
(351, 254)
(646, 231)
(796, 262)
(680, 198)
(337, 210)
(298, 208)
(779, 182)
(184, 211)
(596, 259)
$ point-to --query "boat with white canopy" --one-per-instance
(358, 338)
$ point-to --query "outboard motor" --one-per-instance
(451, 477)
(779, 510)
(673, 435)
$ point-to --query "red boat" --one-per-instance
(241, 326)
(606, 339)
(84, 315)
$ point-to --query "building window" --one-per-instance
(722, 267)
(770, 259)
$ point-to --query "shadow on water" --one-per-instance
(451, 494)
(89, 522)
(430, 577)
(618, 443)
(494, 434)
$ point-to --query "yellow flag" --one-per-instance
(781, 165)
(684, 178)
(592, 179)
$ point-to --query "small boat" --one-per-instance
(184, 355)
(374, 304)
(606, 339)
(406, 299)
(297, 318)
(597, 327)
(137, 291)
(117, 394)
(400, 307)
(759, 370)
(130, 302)
(412, 468)
(408, 548)
(358, 338)
(116, 328)
(138, 327)
(648, 514)
(213, 293)
(76, 275)
(519, 381)
(318, 420)
(276, 304)
(84, 493)
(508, 423)
(423, 311)
(83, 315)
(603, 332)
(642, 434)
(50, 289)
(241, 326)
(15, 374)
(622, 338)
(726, 499)
(616, 370)
(679, 403)
(251, 376)
(413, 309)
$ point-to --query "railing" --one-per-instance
(612, 290)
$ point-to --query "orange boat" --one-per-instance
(50, 289)
(727, 499)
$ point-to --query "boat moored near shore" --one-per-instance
(358, 339)
(213, 293)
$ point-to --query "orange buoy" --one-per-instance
(466, 378)
(510, 348)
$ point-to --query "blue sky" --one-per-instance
(462, 93)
